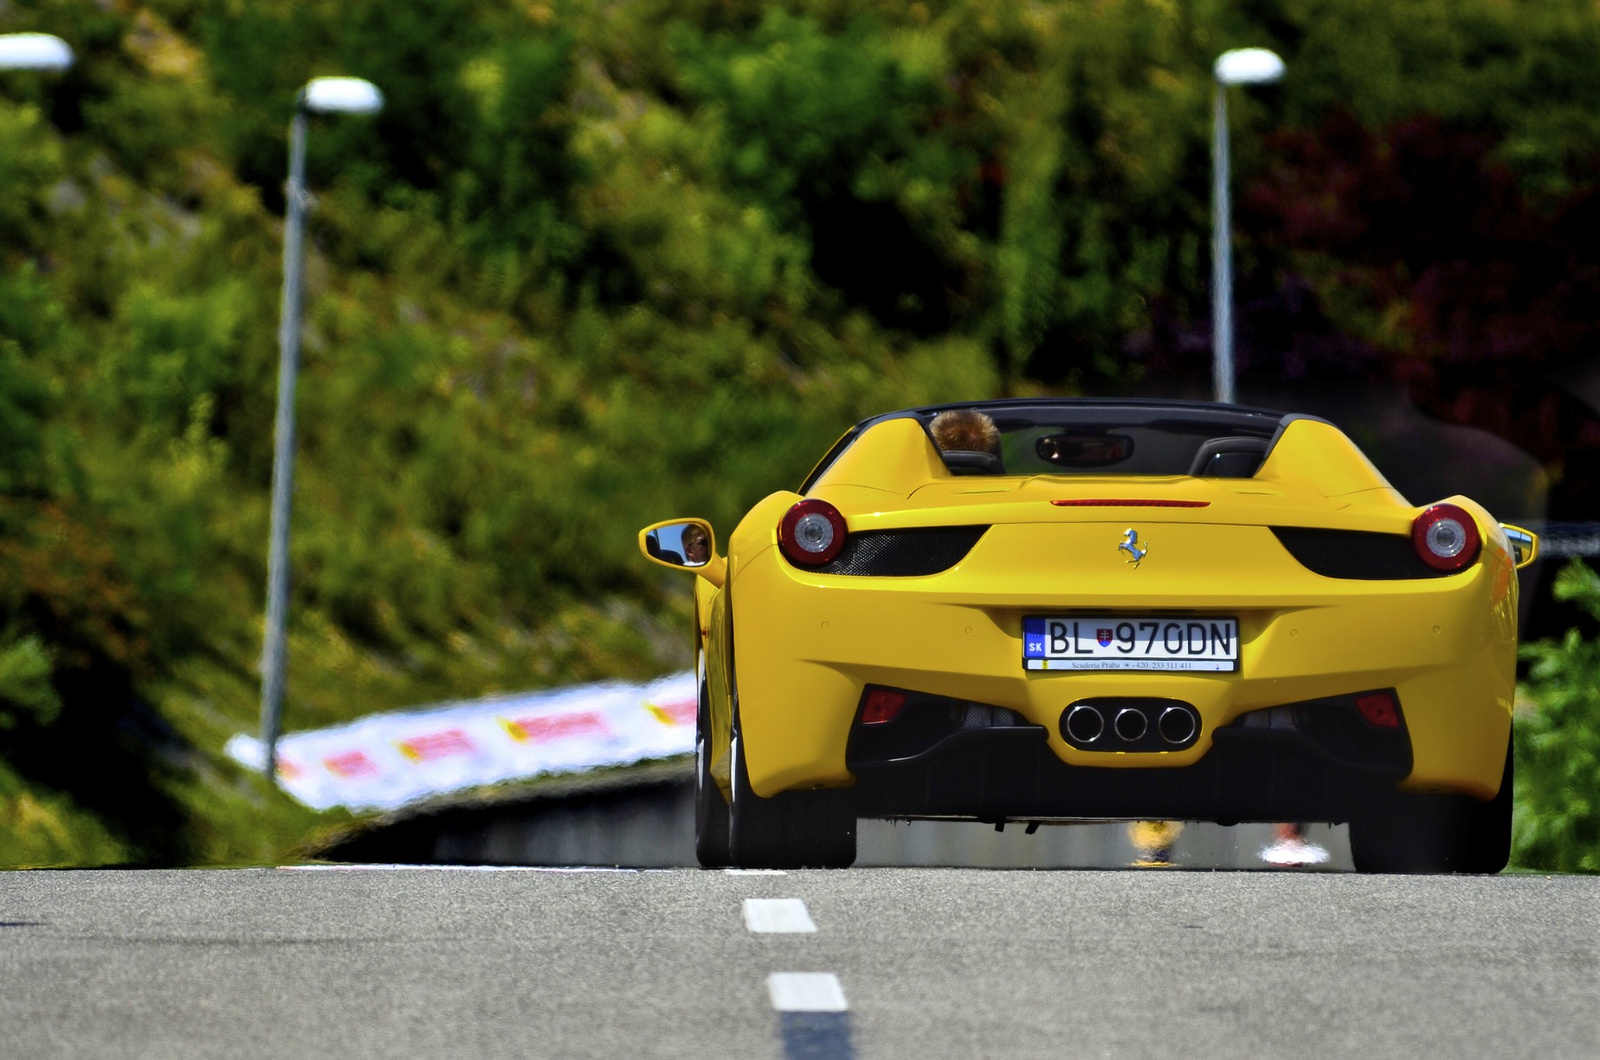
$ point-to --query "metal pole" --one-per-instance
(1221, 254)
(272, 652)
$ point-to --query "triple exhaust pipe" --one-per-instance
(1130, 725)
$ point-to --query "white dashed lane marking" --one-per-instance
(806, 992)
(813, 1018)
(777, 916)
(755, 872)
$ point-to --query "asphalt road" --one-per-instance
(1138, 964)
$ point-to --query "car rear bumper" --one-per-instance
(808, 645)
(1319, 760)
(1017, 778)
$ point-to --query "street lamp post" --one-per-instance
(1242, 66)
(33, 51)
(323, 95)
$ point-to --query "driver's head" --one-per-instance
(965, 429)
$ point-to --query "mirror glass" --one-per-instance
(681, 544)
(1521, 543)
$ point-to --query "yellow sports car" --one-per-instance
(1055, 610)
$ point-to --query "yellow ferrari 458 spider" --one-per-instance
(1055, 610)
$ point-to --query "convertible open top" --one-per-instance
(1101, 437)
(1174, 449)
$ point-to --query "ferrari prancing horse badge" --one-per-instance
(1130, 545)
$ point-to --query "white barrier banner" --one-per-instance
(383, 761)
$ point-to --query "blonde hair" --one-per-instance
(965, 429)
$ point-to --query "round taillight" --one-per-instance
(1445, 537)
(811, 533)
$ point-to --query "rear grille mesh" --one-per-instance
(1358, 554)
(903, 553)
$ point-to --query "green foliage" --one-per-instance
(804, 109)
(25, 687)
(1524, 69)
(30, 160)
(512, 188)
(1558, 742)
(174, 350)
(44, 829)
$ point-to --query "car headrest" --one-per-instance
(1229, 458)
(972, 462)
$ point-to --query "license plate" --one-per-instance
(1102, 642)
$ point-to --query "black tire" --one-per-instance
(710, 807)
(1486, 840)
(1405, 833)
(793, 830)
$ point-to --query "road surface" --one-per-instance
(1141, 964)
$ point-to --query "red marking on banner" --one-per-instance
(436, 745)
(351, 764)
(680, 713)
(550, 728)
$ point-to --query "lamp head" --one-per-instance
(1248, 66)
(341, 95)
(33, 51)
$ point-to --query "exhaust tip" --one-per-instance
(1130, 724)
(1177, 725)
(1084, 724)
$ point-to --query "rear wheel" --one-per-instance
(1486, 843)
(710, 808)
(792, 830)
(1405, 833)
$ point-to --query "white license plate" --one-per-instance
(1130, 642)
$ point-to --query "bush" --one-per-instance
(1558, 743)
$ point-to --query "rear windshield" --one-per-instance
(1152, 449)
(1093, 437)
(1078, 440)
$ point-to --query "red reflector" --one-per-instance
(882, 705)
(1379, 709)
(1129, 502)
